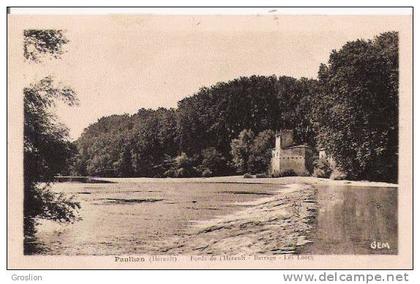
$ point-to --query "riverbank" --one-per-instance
(241, 179)
(228, 215)
(275, 225)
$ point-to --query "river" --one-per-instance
(135, 217)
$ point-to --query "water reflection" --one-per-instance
(356, 220)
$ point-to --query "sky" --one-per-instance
(120, 63)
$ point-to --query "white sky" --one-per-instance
(118, 64)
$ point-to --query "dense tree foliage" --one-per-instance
(356, 108)
(229, 127)
(252, 153)
(38, 44)
(123, 145)
(261, 151)
(202, 128)
(216, 115)
(47, 150)
(241, 150)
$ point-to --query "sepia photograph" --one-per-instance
(209, 138)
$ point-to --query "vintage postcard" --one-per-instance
(210, 138)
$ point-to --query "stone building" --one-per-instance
(287, 156)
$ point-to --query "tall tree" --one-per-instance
(241, 150)
(357, 108)
(210, 119)
(261, 151)
(47, 149)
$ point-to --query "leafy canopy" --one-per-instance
(39, 44)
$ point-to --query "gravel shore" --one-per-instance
(273, 225)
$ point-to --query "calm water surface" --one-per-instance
(134, 217)
(356, 220)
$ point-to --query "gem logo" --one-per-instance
(379, 245)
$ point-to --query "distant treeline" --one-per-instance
(350, 110)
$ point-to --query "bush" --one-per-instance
(186, 173)
(287, 173)
(207, 173)
(182, 166)
(261, 175)
(169, 173)
(213, 161)
(338, 175)
(183, 161)
(181, 172)
(322, 168)
(248, 175)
